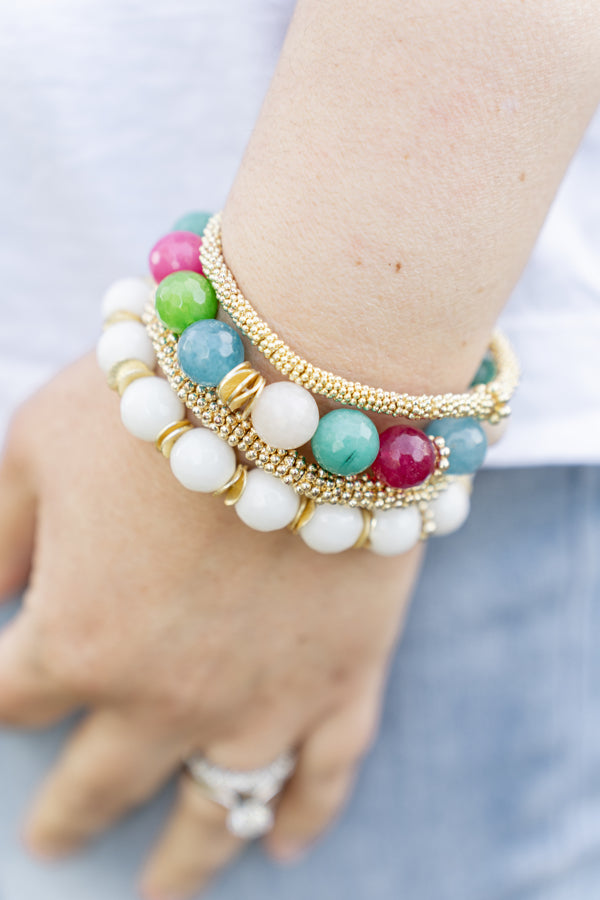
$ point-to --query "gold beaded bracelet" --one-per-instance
(211, 406)
(484, 401)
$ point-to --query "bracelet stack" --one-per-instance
(384, 491)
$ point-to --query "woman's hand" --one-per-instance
(179, 630)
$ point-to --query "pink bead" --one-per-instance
(406, 457)
(175, 251)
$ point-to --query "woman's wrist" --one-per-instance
(379, 227)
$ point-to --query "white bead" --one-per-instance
(124, 340)
(451, 508)
(332, 528)
(148, 405)
(267, 503)
(395, 531)
(495, 432)
(201, 461)
(126, 295)
(285, 415)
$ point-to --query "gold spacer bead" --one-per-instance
(234, 488)
(427, 522)
(168, 437)
(121, 315)
(365, 535)
(241, 388)
(123, 373)
(306, 510)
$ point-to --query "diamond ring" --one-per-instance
(245, 794)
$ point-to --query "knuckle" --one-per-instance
(62, 655)
(178, 712)
(354, 737)
(44, 655)
(11, 708)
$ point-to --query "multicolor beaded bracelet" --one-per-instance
(285, 416)
(203, 461)
(185, 299)
(212, 406)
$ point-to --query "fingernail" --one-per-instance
(151, 894)
(44, 849)
(287, 852)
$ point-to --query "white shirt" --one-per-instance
(117, 116)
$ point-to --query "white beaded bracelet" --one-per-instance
(202, 461)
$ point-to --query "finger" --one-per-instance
(323, 778)
(195, 845)
(196, 842)
(17, 522)
(30, 694)
(110, 765)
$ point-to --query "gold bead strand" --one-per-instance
(484, 401)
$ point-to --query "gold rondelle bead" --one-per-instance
(234, 488)
(241, 388)
(123, 373)
(170, 435)
(306, 511)
(365, 535)
(121, 315)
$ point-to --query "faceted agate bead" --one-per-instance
(147, 406)
(195, 222)
(126, 295)
(486, 371)
(183, 298)
(173, 252)
(466, 440)
(124, 340)
(332, 529)
(267, 504)
(346, 442)
(208, 350)
(201, 461)
(450, 509)
(406, 457)
(285, 415)
(395, 531)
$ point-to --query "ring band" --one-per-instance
(246, 795)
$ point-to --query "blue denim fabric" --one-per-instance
(485, 781)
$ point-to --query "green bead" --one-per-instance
(486, 371)
(193, 221)
(183, 298)
(346, 442)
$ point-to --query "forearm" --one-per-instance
(399, 172)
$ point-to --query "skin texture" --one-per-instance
(180, 629)
(405, 161)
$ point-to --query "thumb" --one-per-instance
(17, 518)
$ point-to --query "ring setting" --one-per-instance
(245, 794)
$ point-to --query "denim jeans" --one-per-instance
(484, 783)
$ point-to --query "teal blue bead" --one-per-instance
(346, 442)
(466, 440)
(192, 221)
(486, 372)
(208, 350)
